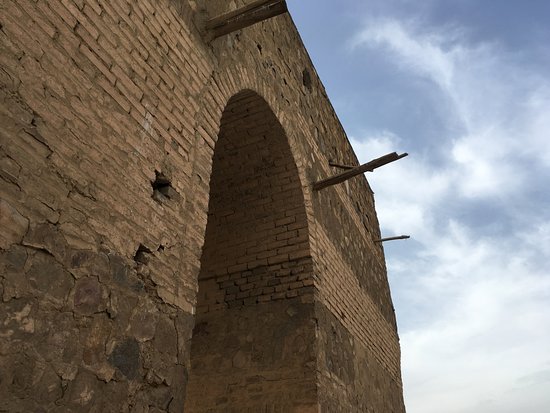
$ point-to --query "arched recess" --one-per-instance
(253, 342)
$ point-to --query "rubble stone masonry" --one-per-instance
(161, 247)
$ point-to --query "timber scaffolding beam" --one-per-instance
(358, 170)
(393, 238)
(253, 13)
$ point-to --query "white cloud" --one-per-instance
(487, 334)
(538, 124)
(503, 109)
(537, 238)
(423, 56)
(402, 204)
(482, 343)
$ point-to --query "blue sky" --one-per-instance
(463, 86)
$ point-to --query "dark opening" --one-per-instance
(162, 188)
(142, 255)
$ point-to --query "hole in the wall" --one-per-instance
(259, 46)
(306, 79)
(162, 188)
(142, 255)
(160, 248)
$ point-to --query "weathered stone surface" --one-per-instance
(166, 337)
(93, 340)
(15, 283)
(89, 296)
(227, 352)
(85, 262)
(19, 374)
(82, 392)
(47, 387)
(107, 108)
(125, 357)
(122, 305)
(14, 225)
(48, 277)
(17, 322)
(15, 257)
(46, 237)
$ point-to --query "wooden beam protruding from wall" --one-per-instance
(248, 15)
(393, 238)
(367, 167)
(341, 166)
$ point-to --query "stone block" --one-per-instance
(14, 225)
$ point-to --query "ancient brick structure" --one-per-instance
(160, 241)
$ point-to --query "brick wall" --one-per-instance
(256, 253)
(110, 115)
(257, 246)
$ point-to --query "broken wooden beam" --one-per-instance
(393, 238)
(358, 170)
(253, 13)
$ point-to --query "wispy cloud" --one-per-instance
(482, 342)
(502, 109)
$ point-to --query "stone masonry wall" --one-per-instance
(110, 115)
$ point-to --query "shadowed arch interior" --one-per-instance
(254, 331)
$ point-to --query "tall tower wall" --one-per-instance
(161, 244)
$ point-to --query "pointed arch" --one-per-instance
(254, 334)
